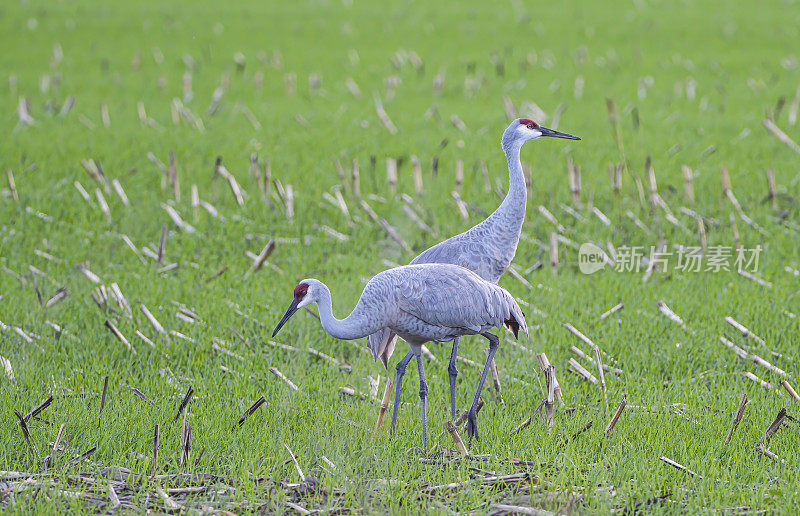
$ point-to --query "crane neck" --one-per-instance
(354, 326)
(516, 198)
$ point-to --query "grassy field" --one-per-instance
(299, 84)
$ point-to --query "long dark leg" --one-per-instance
(453, 371)
(401, 370)
(472, 417)
(423, 400)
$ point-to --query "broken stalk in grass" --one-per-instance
(39, 408)
(113, 498)
(544, 363)
(59, 296)
(101, 201)
(701, 229)
(139, 394)
(260, 401)
(766, 452)
(156, 438)
(289, 201)
(780, 135)
(56, 443)
(12, 185)
(186, 444)
(184, 403)
(296, 464)
(262, 257)
(120, 192)
(737, 417)
(554, 251)
(390, 230)
(162, 243)
(274, 370)
(83, 456)
(110, 325)
(451, 428)
(759, 381)
(24, 427)
(356, 175)
(614, 309)
(688, 188)
(343, 367)
(462, 206)
(744, 331)
(151, 319)
(680, 467)
(617, 414)
(460, 420)
(173, 177)
(653, 265)
(602, 376)
(102, 402)
(583, 429)
(169, 503)
(391, 174)
(549, 401)
(387, 396)
(582, 372)
(735, 229)
(614, 121)
(774, 426)
(38, 292)
(615, 171)
(790, 390)
(574, 180)
(773, 192)
(664, 309)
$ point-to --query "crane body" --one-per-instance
(420, 303)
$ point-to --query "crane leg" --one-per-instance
(453, 372)
(423, 401)
(401, 370)
(472, 416)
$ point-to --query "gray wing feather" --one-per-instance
(450, 296)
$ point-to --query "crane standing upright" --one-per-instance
(487, 249)
(420, 303)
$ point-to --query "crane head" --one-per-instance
(302, 297)
(525, 129)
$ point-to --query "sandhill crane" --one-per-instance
(420, 303)
(487, 248)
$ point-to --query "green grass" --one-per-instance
(741, 57)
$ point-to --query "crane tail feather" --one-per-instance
(381, 343)
(513, 326)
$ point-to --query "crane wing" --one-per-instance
(454, 297)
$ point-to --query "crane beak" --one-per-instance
(289, 312)
(555, 134)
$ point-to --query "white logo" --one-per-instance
(591, 258)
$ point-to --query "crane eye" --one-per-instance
(531, 126)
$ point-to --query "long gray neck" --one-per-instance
(513, 206)
(354, 326)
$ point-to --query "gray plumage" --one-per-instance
(421, 303)
(487, 248)
(442, 302)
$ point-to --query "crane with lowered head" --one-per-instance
(420, 303)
